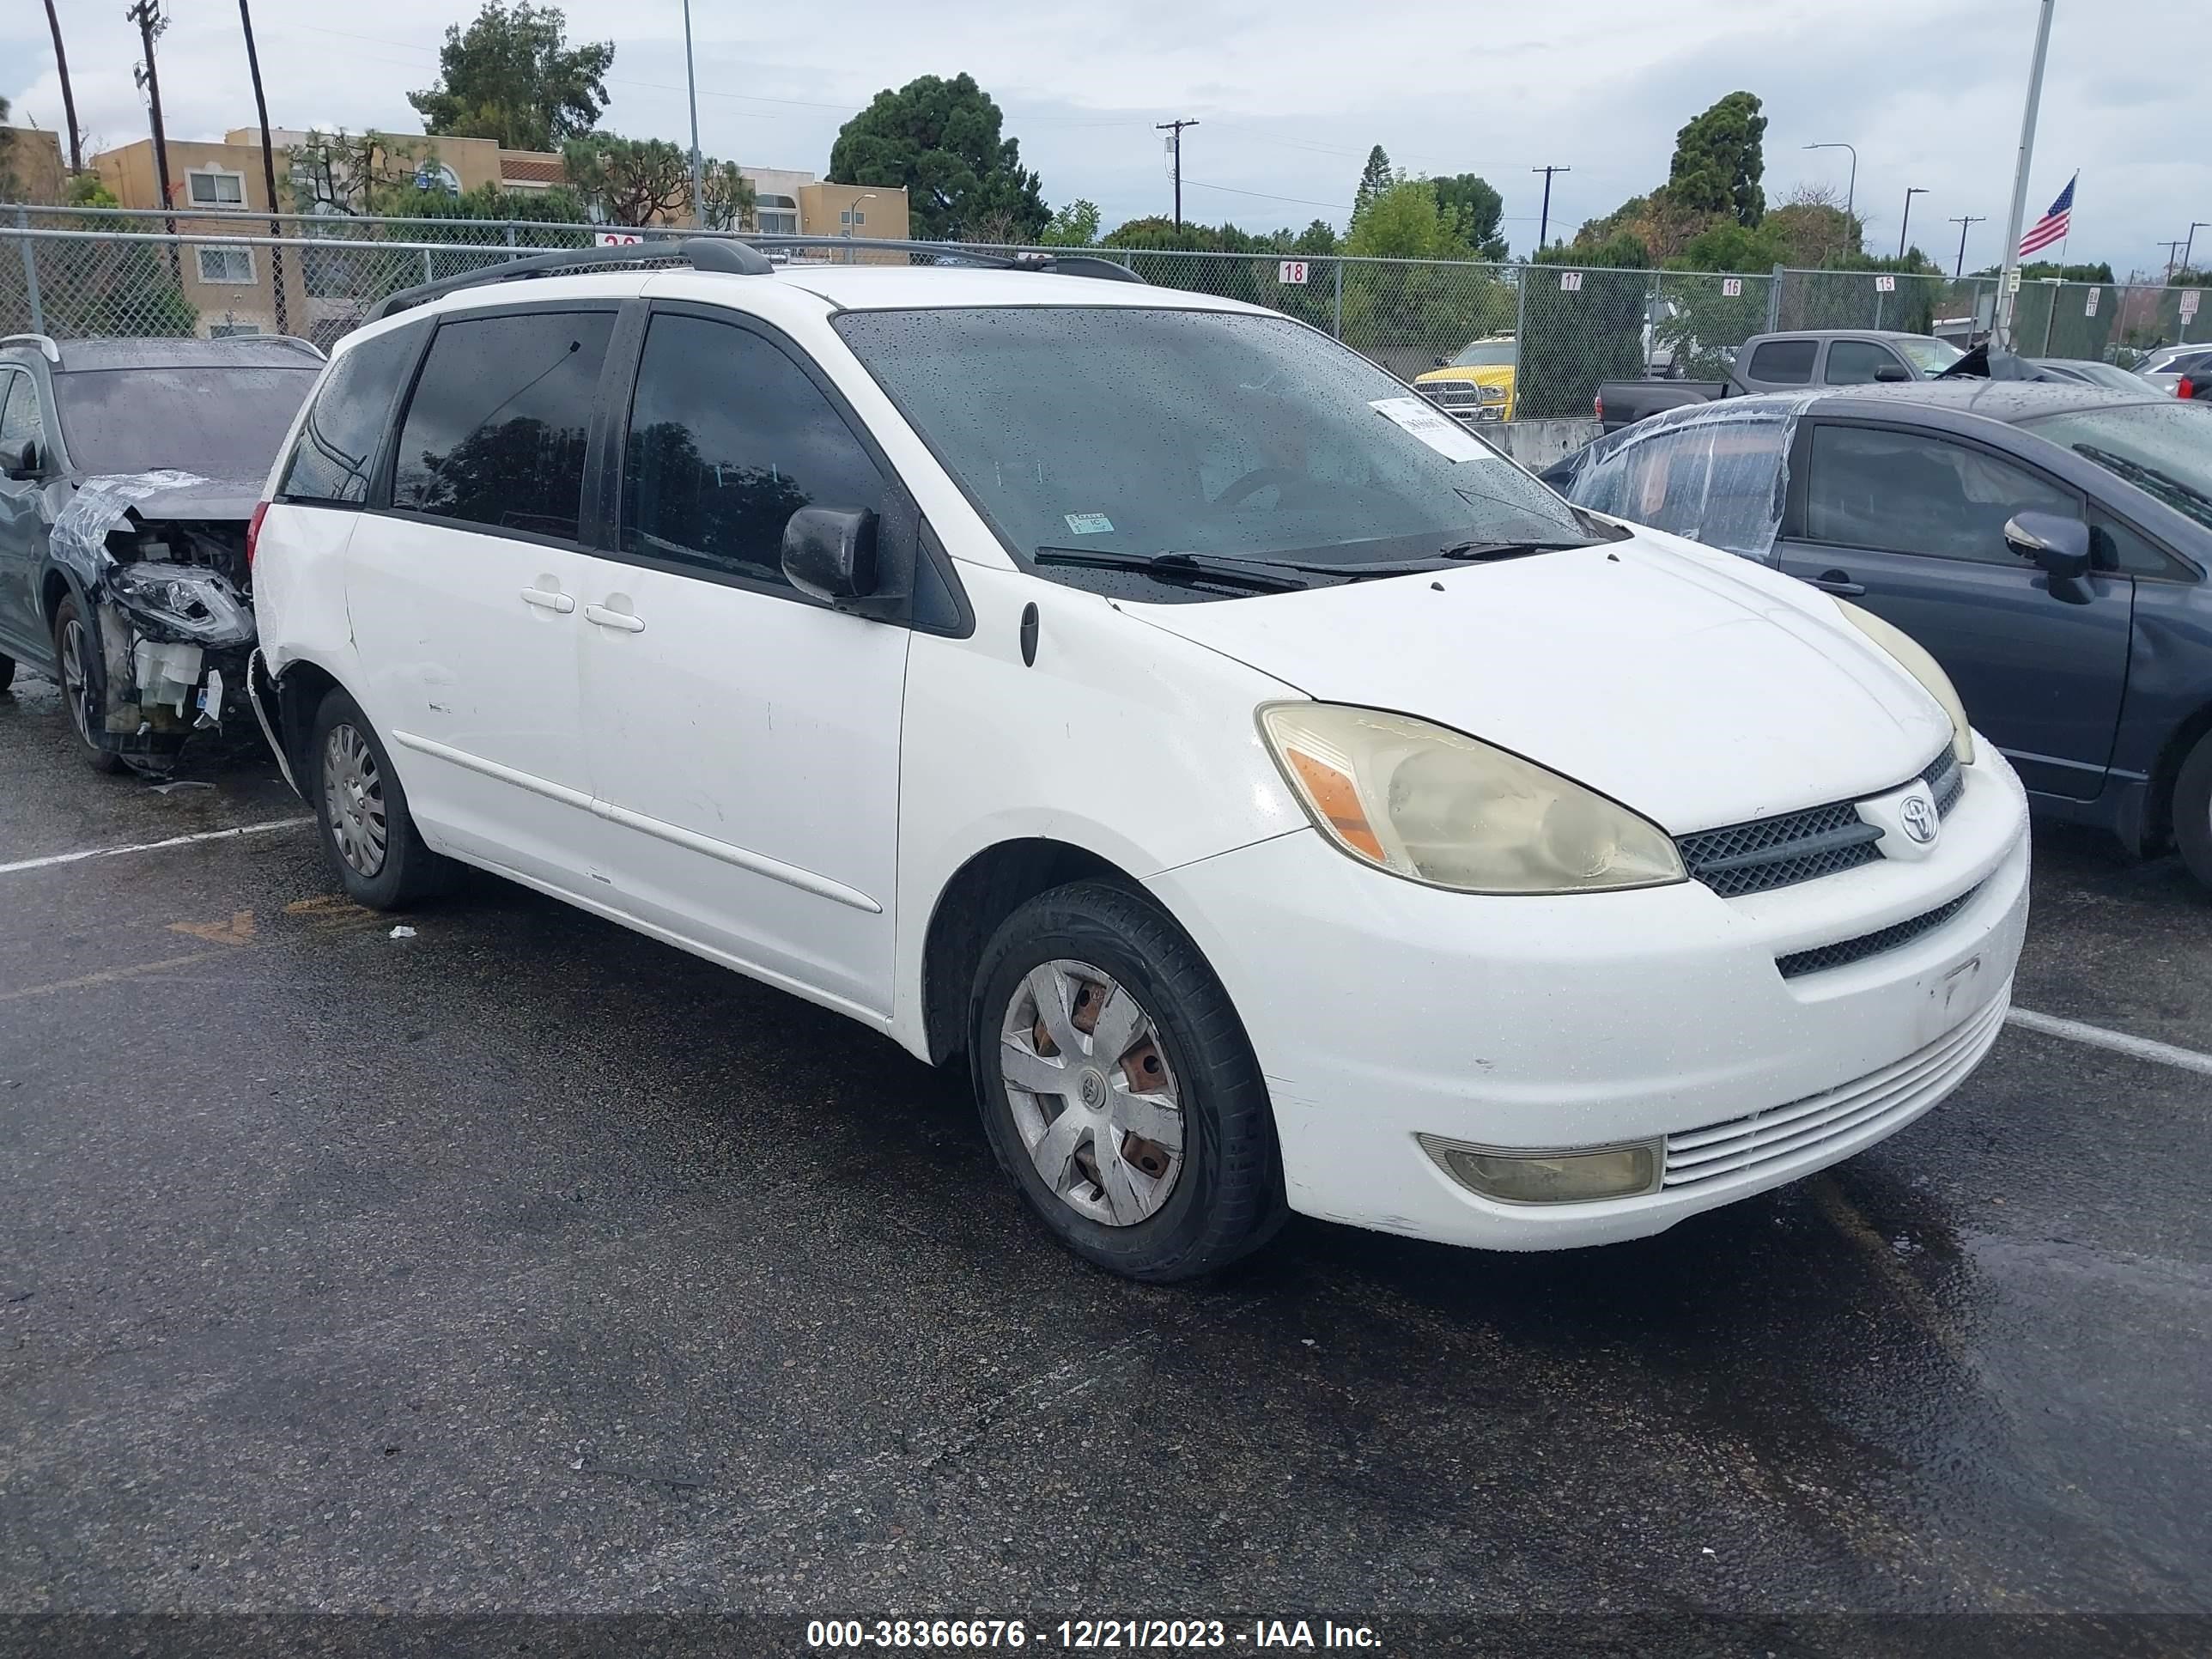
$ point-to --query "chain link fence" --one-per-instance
(1557, 331)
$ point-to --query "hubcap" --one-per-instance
(1096, 1105)
(76, 689)
(353, 797)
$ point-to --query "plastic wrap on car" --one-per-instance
(1718, 473)
(79, 538)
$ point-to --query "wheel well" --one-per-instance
(2158, 809)
(983, 893)
(300, 691)
(51, 592)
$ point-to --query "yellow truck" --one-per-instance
(1475, 387)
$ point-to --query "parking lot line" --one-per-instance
(150, 846)
(2164, 1053)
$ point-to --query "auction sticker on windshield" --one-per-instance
(1439, 432)
(1088, 524)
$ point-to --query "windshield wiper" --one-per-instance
(1482, 551)
(2164, 485)
(1263, 577)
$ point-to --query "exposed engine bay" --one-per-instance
(174, 600)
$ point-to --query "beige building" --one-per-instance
(213, 186)
(31, 165)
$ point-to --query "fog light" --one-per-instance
(1560, 1177)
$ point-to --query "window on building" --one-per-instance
(777, 216)
(214, 187)
(852, 217)
(225, 264)
(728, 438)
(496, 433)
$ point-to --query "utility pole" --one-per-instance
(1174, 146)
(1911, 191)
(147, 14)
(1964, 223)
(2011, 271)
(691, 85)
(2190, 247)
(1544, 222)
(268, 167)
(1850, 189)
(2172, 252)
(68, 98)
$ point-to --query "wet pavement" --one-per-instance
(526, 1264)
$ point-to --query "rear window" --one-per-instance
(494, 434)
(1716, 477)
(219, 423)
(1783, 363)
(337, 441)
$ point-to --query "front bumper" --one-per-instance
(1380, 1009)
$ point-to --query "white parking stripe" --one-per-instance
(2119, 1042)
(150, 846)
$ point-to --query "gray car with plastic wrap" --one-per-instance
(129, 474)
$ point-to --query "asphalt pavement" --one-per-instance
(525, 1264)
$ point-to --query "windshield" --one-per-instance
(2164, 448)
(1131, 431)
(219, 423)
(1485, 353)
(1929, 357)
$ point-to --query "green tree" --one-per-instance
(1075, 225)
(485, 202)
(940, 142)
(1319, 237)
(1374, 179)
(730, 200)
(1479, 208)
(1718, 160)
(513, 76)
(344, 173)
(1404, 222)
(1578, 335)
(629, 181)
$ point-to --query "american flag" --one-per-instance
(2053, 226)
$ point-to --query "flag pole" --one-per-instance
(2011, 272)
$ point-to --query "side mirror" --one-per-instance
(1441, 362)
(20, 458)
(2060, 546)
(830, 554)
(1892, 374)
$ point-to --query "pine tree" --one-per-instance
(1373, 180)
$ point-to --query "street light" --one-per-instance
(691, 86)
(1851, 189)
(852, 213)
(1912, 190)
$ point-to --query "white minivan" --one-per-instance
(1280, 799)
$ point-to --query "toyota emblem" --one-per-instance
(1918, 814)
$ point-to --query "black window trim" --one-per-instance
(1793, 528)
(1814, 369)
(902, 517)
(379, 488)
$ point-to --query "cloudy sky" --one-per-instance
(1290, 94)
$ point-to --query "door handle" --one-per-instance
(546, 598)
(620, 620)
(1838, 582)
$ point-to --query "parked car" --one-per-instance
(1774, 362)
(1279, 798)
(2164, 366)
(128, 471)
(2048, 544)
(2088, 372)
(1475, 386)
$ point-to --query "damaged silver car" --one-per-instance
(129, 472)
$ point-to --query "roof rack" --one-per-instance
(699, 252)
(44, 342)
(1062, 264)
(308, 346)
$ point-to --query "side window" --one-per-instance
(19, 409)
(1906, 493)
(495, 432)
(2119, 548)
(1782, 363)
(337, 449)
(728, 439)
(1853, 362)
(1716, 480)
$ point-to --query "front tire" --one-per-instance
(1118, 1089)
(82, 671)
(7, 670)
(2193, 811)
(368, 834)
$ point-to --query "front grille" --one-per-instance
(1452, 392)
(1844, 951)
(1891, 1095)
(1765, 854)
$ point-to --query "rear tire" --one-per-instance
(1156, 1158)
(369, 836)
(2193, 811)
(7, 670)
(82, 671)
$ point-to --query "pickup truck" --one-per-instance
(1777, 363)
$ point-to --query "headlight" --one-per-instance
(1913, 658)
(1490, 394)
(1434, 805)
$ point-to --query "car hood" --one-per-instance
(1695, 687)
(1483, 375)
(197, 500)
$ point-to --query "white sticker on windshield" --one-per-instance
(1439, 432)
(1088, 524)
